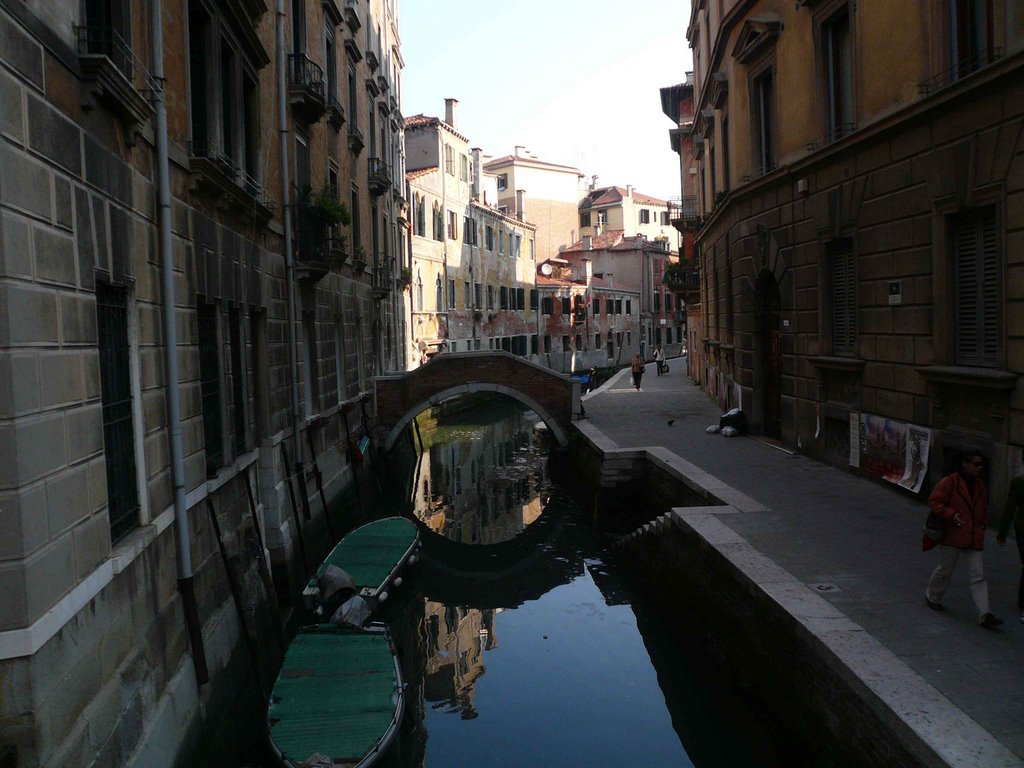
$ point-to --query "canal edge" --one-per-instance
(918, 717)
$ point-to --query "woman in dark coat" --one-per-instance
(637, 369)
(961, 499)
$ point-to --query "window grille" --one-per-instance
(976, 277)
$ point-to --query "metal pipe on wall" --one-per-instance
(289, 259)
(181, 527)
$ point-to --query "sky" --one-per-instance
(576, 82)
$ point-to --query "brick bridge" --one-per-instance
(554, 397)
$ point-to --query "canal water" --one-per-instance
(522, 642)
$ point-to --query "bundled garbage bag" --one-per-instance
(354, 612)
(714, 429)
(729, 431)
(334, 586)
(735, 419)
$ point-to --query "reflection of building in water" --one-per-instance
(455, 641)
(485, 487)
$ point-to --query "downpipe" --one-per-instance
(181, 527)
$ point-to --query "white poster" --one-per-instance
(918, 442)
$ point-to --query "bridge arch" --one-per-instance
(554, 397)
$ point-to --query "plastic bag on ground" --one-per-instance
(714, 429)
(734, 418)
(729, 431)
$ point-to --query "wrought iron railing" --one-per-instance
(107, 41)
(960, 70)
(305, 73)
(211, 150)
(683, 208)
(379, 173)
(382, 277)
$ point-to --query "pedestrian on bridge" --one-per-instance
(1013, 514)
(637, 369)
(961, 500)
(659, 359)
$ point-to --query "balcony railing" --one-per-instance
(960, 70)
(306, 88)
(226, 176)
(381, 281)
(115, 76)
(683, 212)
(682, 279)
(106, 41)
(379, 177)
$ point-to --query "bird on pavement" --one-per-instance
(671, 422)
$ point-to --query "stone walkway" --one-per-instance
(854, 541)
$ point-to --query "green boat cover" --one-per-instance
(370, 552)
(336, 695)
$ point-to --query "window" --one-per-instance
(838, 74)
(451, 294)
(976, 274)
(502, 182)
(629, 306)
(579, 342)
(520, 298)
(533, 344)
(490, 297)
(533, 298)
(602, 218)
(585, 219)
(354, 229)
(515, 244)
(565, 342)
(618, 306)
(489, 238)
(467, 298)
(421, 215)
(209, 385)
(298, 26)
(310, 365)
(971, 36)
(116, 393)
(547, 343)
(546, 305)
(438, 223)
(763, 103)
(464, 167)
(664, 218)
(469, 230)
(501, 243)
(844, 297)
(239, 399)
(353, 93)
(645, 216)
(597, 308)
(449, 160)
(330, 64)
(453, 226)
(478, 295)
(419, 291)
(503, 291)
(565, 306)
(454, 346)
(439, 294)
(597, 341)
(657, 302)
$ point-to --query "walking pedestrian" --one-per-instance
(659, 358)
(637, 369)
(1013, 514)
(961, 499)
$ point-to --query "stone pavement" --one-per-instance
(854, 541)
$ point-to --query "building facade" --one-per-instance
(605, 209)
(195, 297)
(861, 185)
(546, 194)
(472, 262)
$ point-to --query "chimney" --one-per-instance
(588, 243)
(589, 265)
(450, 108)
(520, 150)
(521, 204)
(629, 191)
(593, 182)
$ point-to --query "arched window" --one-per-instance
(421, 216)
(419, 291)
(439, 306)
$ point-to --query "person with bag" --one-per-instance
(1013, 514)
(659, 359)
(961, 500)
(637, 369)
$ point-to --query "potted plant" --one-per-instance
(405, 277)
(318, 214)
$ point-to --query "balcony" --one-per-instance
(352, 50)
(112, 75)
(355, 139)
(371, 59)
(379, 177)
(359, 260)
(382, 281)
(684, 279)
(335, 112)
(960, 69)
(382, 83)
(306, 87)
(219, 175)
(683, 213)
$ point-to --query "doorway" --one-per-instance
(769, 362)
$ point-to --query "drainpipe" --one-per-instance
(289, 260)
(184, 548)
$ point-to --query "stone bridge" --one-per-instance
(400, 397)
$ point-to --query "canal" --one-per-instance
(522, 642)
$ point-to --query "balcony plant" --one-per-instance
(319, 213)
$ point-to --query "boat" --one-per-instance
(339, 698)
(374, 556)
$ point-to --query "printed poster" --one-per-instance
(894, 450)
(854, 439)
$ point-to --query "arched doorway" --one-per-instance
(769, 354)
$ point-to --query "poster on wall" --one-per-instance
(854, 439)
(894, 450)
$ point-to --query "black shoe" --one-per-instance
(988, 621)
(933, 605)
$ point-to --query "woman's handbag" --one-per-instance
(934, 529)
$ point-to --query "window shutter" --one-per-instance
(844, 299)
(975, 271)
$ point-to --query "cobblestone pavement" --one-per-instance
(855, 541)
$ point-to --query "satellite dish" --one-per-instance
(545, 269)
